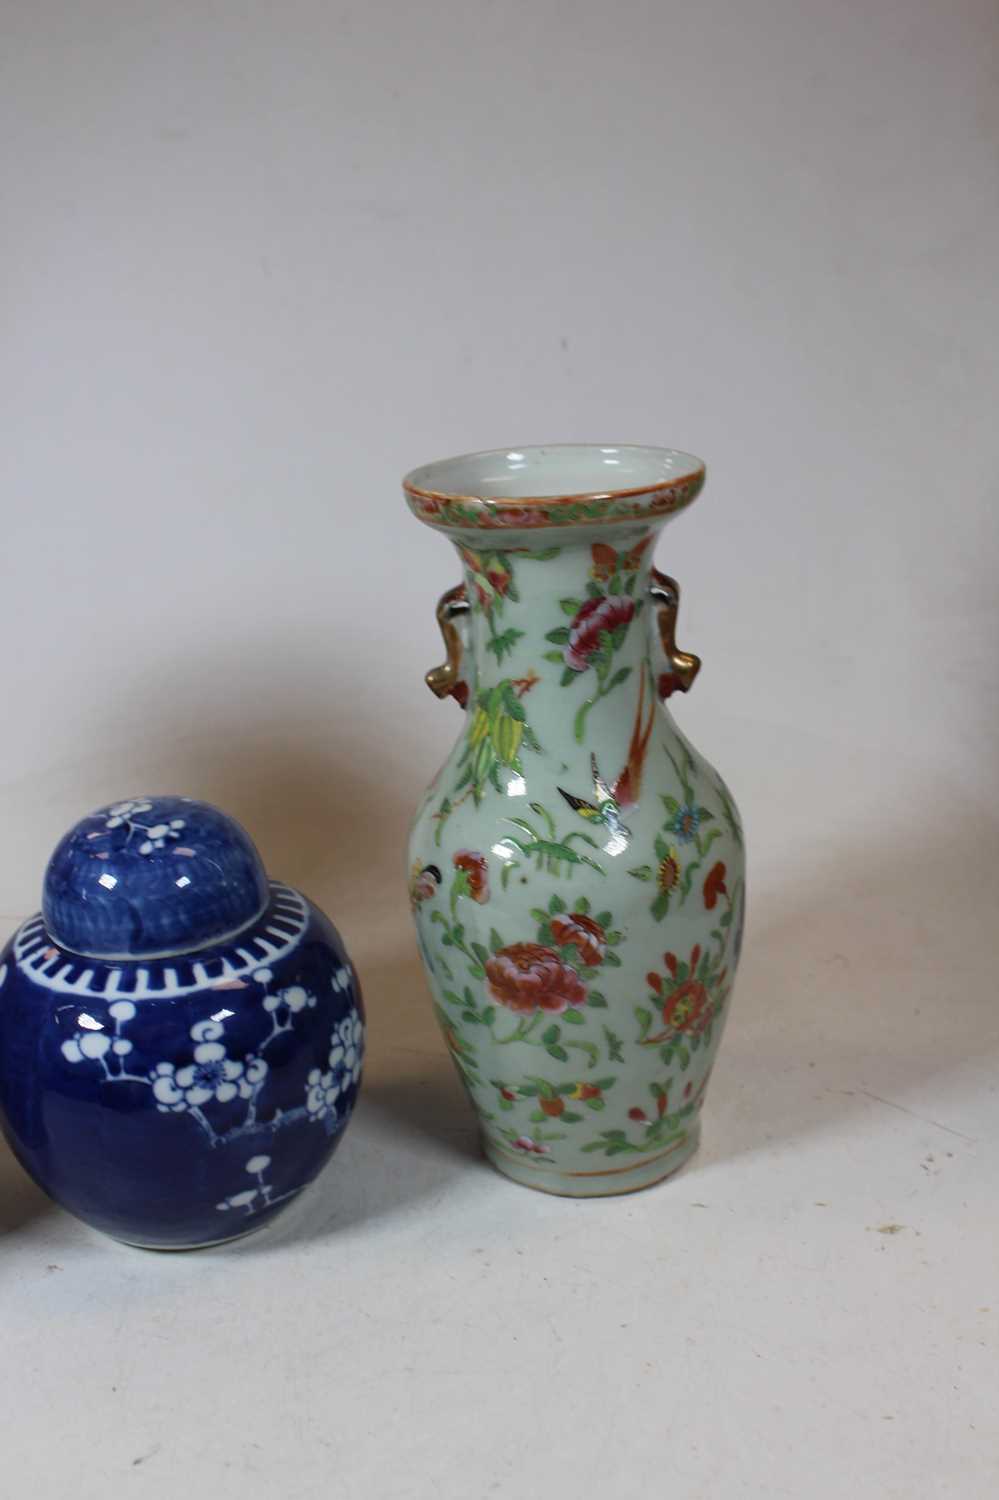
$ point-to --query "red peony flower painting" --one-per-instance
(593, 617)
(527, 977)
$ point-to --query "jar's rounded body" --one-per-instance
(181, 1101)
(577, 871)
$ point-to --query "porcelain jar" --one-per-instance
(180, 1038)
(577, 868)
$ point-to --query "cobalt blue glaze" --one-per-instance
(182, 1099)
(152, 876)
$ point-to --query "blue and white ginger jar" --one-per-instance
(180, 1038)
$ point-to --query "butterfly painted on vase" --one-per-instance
(607, 560)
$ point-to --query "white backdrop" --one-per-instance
(257, 260)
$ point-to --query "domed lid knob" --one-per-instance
(152, 875)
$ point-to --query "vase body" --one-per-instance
(180, 1038)
(576, 867)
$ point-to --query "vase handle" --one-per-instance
(683, 666)
(446, 681)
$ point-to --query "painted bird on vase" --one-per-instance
(605, 809)
(610, 801)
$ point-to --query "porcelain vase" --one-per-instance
(576, 867)
(180, 1037)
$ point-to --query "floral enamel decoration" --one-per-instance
(714, 885)
(577, 873)
(528, 978)
(684, 841)
(598, 626)
(493, 589)
(549, 975)
(475, 868)
(498, 731)
(577, 929)
(463, 513)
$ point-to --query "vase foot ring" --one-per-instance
(609, 1182)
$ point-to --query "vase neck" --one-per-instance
(545, 616)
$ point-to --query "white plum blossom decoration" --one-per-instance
(324, 1089)
(211, 1076)
(347, 1047)
(285, 1005)
(243, 1199)
(340, 981)
(247, 1197)
(157, 835)
(94, 1043)
(322, 1092)
(124, 812)
(91, 1045)
(295, 997)
(121, 1010)
(127, 814)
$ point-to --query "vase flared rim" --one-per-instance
(553, 484)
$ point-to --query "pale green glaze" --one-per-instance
(558, 911)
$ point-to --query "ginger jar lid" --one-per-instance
(152, 876)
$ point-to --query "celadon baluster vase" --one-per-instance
(576, 867)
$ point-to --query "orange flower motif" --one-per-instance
(500, 577)
(689, 1008)
(586, 1091)
(714, 885)
(668, 874)
(476, 872)
(574, 929)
